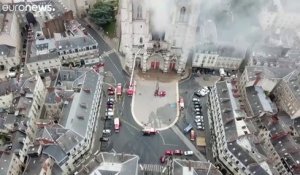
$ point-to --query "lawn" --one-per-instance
(110, 29)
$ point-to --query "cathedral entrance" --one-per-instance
(155, 62)
(138, 62)
(172, 64)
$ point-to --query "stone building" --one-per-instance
(158, 38)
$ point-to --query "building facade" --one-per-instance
(10, 40)
(165, 48)
(235, 146)
(288, 94)
(214, 56)
(29, 106)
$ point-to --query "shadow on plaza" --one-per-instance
(163, 116)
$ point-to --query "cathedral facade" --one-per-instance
(158, 38)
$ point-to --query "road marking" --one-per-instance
(164, 143)
(115, 66)
(114, 151)
(130, 124)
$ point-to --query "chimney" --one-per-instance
(258, 77)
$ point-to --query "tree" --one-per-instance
(103, 13)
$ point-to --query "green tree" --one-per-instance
(103, 13)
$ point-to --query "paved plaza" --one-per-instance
(153, 111)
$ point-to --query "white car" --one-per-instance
(111, 99)
(197, 120)
(188, 153)
(197, 109)
(195, 99)
(199, 127)
(199, 124)
(106, 131)
(109, 113)
(199, 117)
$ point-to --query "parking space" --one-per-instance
(151, 107)
(195, 112)
(107, 115)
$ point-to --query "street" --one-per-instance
(130, 138)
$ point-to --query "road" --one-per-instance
(130, 138)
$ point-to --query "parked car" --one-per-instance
(199, 127)
(196, 99)
(197, 120)
(197, 109)
(198, 117)
(188, 128)
(110, 103)
(192, 135)
(199, 124)
(178, 152)
(108, 117)
(169, 152)
(111, 99)
(197, 106)
(106, 131)
(111, 92)
(198, 112)
(111, 89)
(104, 139)
(109, 113)
(162, 159)
(110, 106)
(188, 153)
(196, 103)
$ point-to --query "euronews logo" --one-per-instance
(27, 7)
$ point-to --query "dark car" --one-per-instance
(104, 139)
(110, 106)
(111, 92)
(108, 117)
(162, 159)
(178, 152)
(196, 103)
(110, 103)
(110, 89)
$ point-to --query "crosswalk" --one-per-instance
(152, 168)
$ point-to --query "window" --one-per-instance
(139, 12)
(182, 14)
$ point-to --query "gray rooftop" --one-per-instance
(227, 111)
(293, 82)
(75, 42)
(112, 163)
(283, 142)
(43, 57)
(181, 167)
(5, 159)
(223, 50)
(82, 102)
(259, 102)
(55, 152)
(7, 50)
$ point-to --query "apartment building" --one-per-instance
(216, 56)
(280, 14)
(288, 94)
(74, 47)
(10, 40)
(276, 137)
(79, 7)
(76, 95)
(235, 145)
(27, 111)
